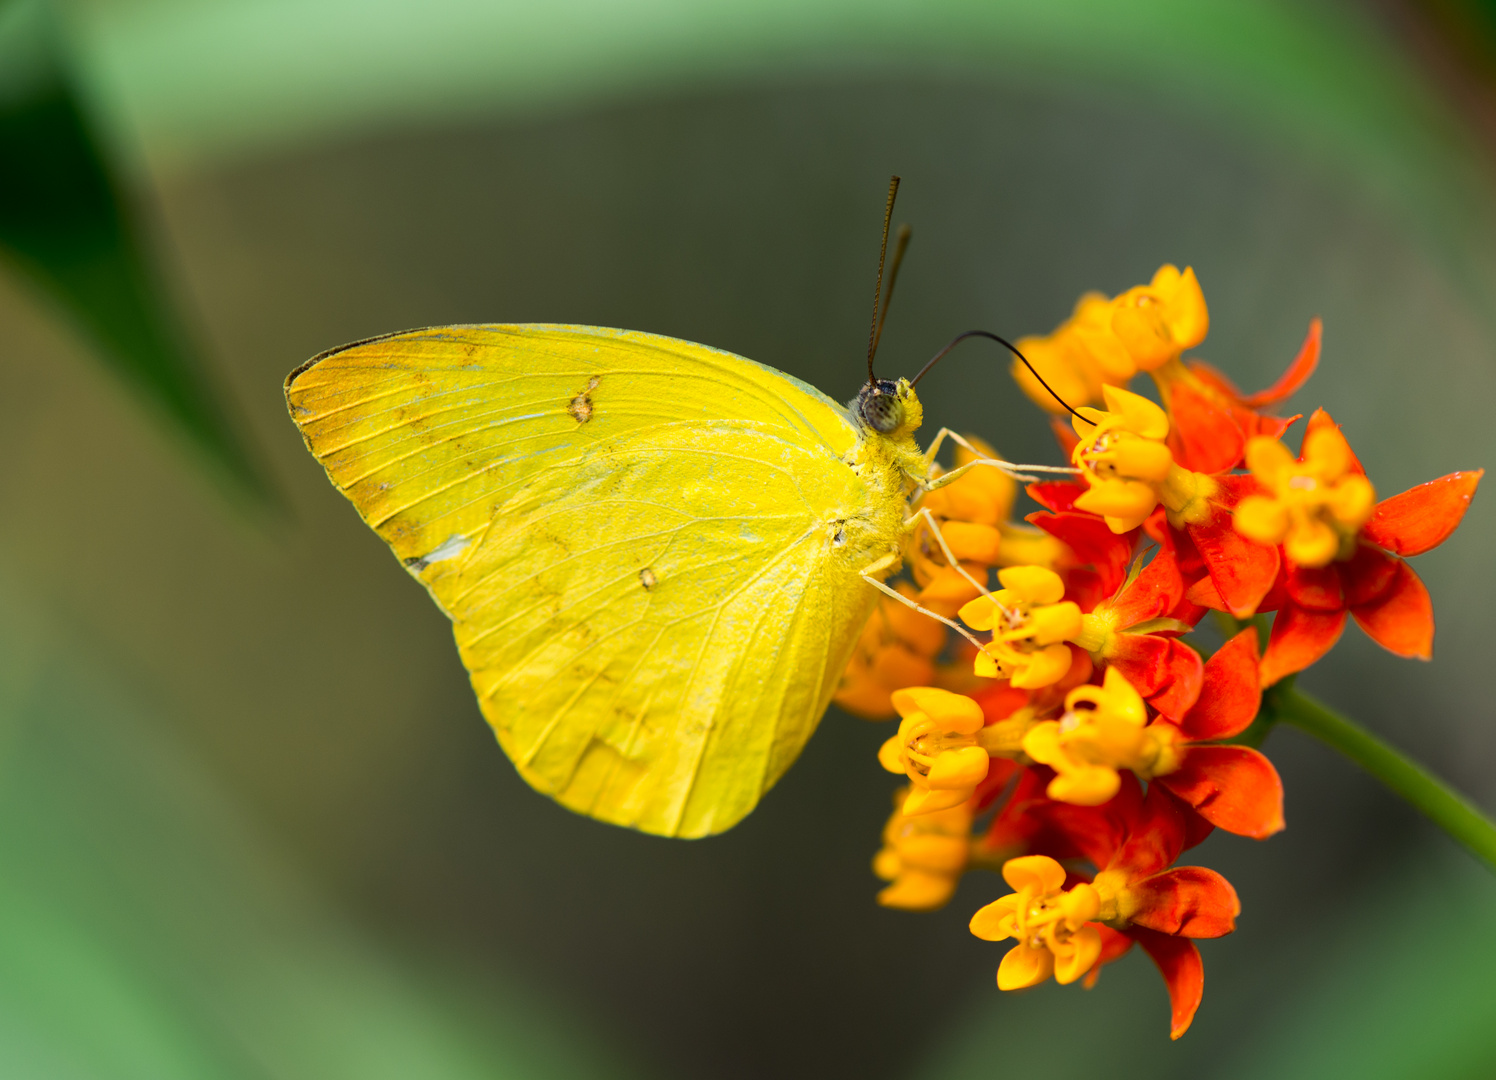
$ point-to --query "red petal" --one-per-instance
(1153, 593)
(1000, 700)
(1233, 787)
(1083, 585)
(1230, 693)
(1298, 639)
(1315, 588)
(1114, 944)
(999, 772)
(1179, 963)
(1092, 542)
(1187, 558)
(1205, 594)
(1196, 828)
(1322, 419)
(1401, 620)
(1085, 831)
(1203, 435)
(1185, 673)
(1156, 525)
(1191, 565)
(1243, 571)
(1056, 495)
(1242, 411)
(1188, 612)
(1025, 824)
(1165, 671)
(1155, 833)
(1271, 426)
(1297, 374)
(1098, 832)
(1367, 575)
(1189, 901)
(1016, 822)
(1214, 378)
(1422, 518)
(1277, 596)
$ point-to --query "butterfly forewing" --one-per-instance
(635, 538)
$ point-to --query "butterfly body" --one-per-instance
(651, 551)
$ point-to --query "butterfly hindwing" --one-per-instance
(634, 537)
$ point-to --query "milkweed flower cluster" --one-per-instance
(1076, 739)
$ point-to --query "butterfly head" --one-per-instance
(891, 409)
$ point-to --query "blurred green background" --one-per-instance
(251, 823)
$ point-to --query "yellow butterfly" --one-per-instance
(656, 556)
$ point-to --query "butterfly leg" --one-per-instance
(945, 549)
(940, 437)
(882, 565)
(1017, 472)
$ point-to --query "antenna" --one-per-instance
(872, 337)
(1012, 349)
(900, 246)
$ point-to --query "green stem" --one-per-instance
(1440, 803)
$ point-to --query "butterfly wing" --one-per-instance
(637, 540)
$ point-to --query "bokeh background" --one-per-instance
(251, 822)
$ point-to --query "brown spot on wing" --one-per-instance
(581, 405)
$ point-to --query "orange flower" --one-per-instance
(1030, 621)
(1097, 695)
(1315, 505)
(1363, 575)
(1135, 841)
(936, 747)
(1050, 925)
(1158, 321)
(923, 857)
(1205, 433)
(1132, 631)
(1107, 342)
(1104, 728)
(1105, 731)
(1239, 572)
(1128, 468)
(1077, 360)
(897, 647)
(1212, 419)
(1137, 896)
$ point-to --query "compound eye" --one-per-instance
(884, 413)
